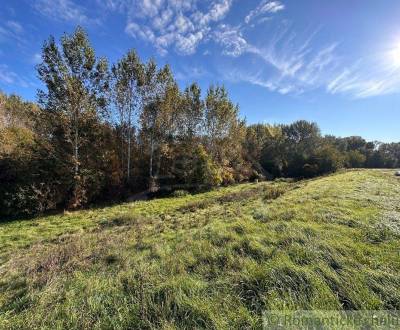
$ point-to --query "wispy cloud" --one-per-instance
(370, 76)
(174, 24)
(8, 77)
(186, 73)
(12, 31)
(15, 26)
(118, 5)
(231, 39)
(288, 63)
(292, 64)
(301, 66)
(265, 7)
(64, 10)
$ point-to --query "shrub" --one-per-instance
(326, 159)
(355, 159)
(227, 175)
(32, 199)
(205, 172)
(274, 193)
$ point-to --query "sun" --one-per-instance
(395, 55)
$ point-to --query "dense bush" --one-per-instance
(326, 159)
(299, 150)
(355, 159)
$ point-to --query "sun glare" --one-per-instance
(395, 55)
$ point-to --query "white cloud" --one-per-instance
(180, 24)
(265, 7)
(286, 63)
(6, 76)
(217, 11)
(289, 63)
(370, 76)
(293, 64)
(231, 39)
(143, 32)
(12, 31)
(9, 77)
(64, 10)
(257, 77)
(187, 44)
(112, 4)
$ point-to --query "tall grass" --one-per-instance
(214, 260)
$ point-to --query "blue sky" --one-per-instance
(333, 62)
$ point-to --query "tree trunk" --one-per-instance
(131, 110)
(122, 136)
(129, 148)
(151, 156)
(76, 139)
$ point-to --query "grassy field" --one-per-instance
(214, 260)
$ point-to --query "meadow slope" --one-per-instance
(213, 260)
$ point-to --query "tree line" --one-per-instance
(99, 132)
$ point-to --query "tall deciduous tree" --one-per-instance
(192, 111)
(156, 82)
(225, 133)
(128, 78)
(221, 119)
(76, 84)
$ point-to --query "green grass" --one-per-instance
(214, 260)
